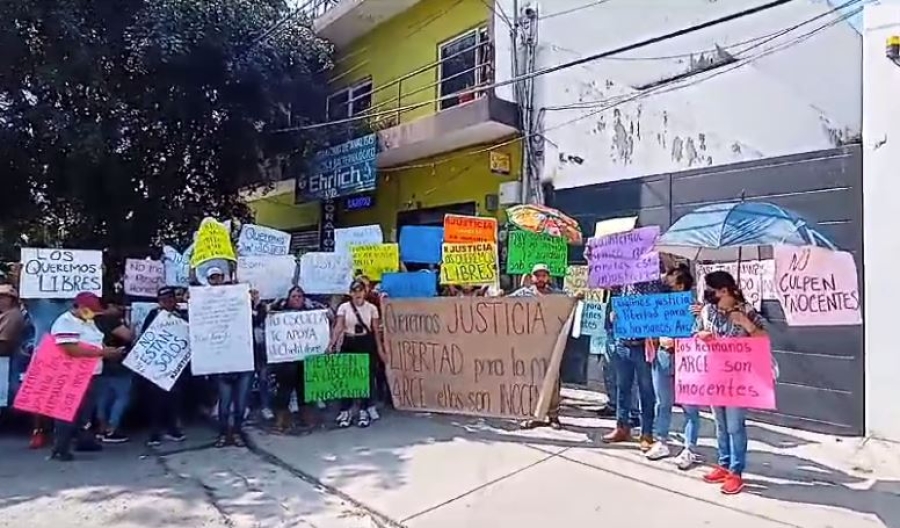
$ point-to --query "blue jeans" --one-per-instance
(234, 393)
(18, 364)
(664, 389)
(630, 364)
(609, 382)
(691, 426)
(731, 435)
(113, 397)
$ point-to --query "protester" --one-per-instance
(258, 311)
(382, 389)
(20, 358)
(76, 334)
(113, 391)
(357, 330)
(726, 314)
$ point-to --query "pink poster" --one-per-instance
(817, 286)
(55, 383)
(728, 372)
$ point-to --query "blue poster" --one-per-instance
(341, 170)
(421, 244)
(593, 318)
(409, 285)
(657, 315)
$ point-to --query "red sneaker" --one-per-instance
(717, 476)
(38, 440)
(733, 484)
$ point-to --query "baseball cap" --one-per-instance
(214, 271)
(165, 291)
(90, 301)
(357, 285)
(540, 267)
(9, 291)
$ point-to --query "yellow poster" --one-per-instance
(576, 281)
(213, 241)
(474, 263)
(372, 260)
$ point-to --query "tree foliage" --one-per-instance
(125, 122)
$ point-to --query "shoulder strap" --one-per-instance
(359, 318)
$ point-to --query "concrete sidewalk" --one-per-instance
(429, 471)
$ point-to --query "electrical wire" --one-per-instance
(576, 9)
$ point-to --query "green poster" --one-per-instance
(336, 376)
(527, 249)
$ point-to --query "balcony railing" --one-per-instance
(313, 9)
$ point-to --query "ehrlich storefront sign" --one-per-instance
(341, 170)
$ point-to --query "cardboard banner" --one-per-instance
(221, 336)
(162, 352)
(143, 277)
(60, 273)
(755, 277)
(459, 229)
(257, 240)
(469, 264)
(527, 249)
(347, 237)
(376, 259)
(294, 336)
(272, 276)
(336, 376)
(623, 258)
(325, 273)
(421, 244)
(55, 383)
(417, 284)
(817, 287)
(575, 283)
(213, 241)
(727, 372)
(656, 315)
(177, 266)
(475, 355)
(4, 381)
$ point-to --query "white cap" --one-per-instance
(540, 267)
(214, 271)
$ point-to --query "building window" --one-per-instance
(466, 62)
(350, 102)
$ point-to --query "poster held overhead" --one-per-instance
(257, 240)
(60, 273)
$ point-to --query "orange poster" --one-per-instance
(460, 229)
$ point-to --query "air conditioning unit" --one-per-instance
(510, 193)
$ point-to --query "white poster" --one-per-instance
(162, 352)
(754, 278)
(143, 277)
(259, 240)
(60, 273)
(270, 275)
(294, 336)
(350, 236)
(221, 335)
(4, 381)
(767, 269)
(326, 273)
(139, 313)
(177, 266)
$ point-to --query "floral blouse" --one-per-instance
(711, 319)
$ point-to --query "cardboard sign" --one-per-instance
(623, 258)
(347, 237)
(656, 315)
(475, 355)
(593, 319)
(177, 266)
(325, 273)
(416, 284)
(213, 241)
(162, 352)
(4, 381)
(272, 276)
(294, 336)
(373, 260)
(60, 273)
(257, 240)
(143, 277)
(816, 286)
(527, 249)
(728, 372)
(575, 283)
(469, 264)
(421, 244)
(55, 383)
(336, 376)
(220, 329)
(755, 278)
(460, 229)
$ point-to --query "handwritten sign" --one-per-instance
(375, 259)
(4, 381)
(213, 241)
(657, 315)
(459, 229)
(421, 244)
(623, 258)
(576, 283)
(55, 383)
(474, 263)
(755, 278)
(272, 276)
(347, 237)
(527, 249)
(221, 337)
(60, 273)
(143, 277)
(598, 344)
(593, 318)
(326, 273)
(177, 266)
(294, 336)
(816, 286)
(162, 352)
(472, 355)
(257, 240)
(336, 376)
(409, 285)
(139, 313)
(728, 372)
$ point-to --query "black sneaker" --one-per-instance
(175, 435)
(62, 456)
(154, 440)
(88, 447)
(114, 437)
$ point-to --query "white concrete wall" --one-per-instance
(802, 98)
(881, 189)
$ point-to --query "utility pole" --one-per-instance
(524, 54)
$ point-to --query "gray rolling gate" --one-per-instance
(821, 385)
